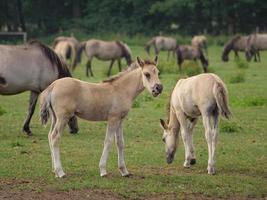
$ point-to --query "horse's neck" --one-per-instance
(173, 121)
(131, 83)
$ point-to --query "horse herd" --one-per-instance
(37, 68)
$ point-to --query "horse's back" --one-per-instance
(195, 94)
(24, 68)
(103, 50)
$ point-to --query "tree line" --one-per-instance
(150, 17)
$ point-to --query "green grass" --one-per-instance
(241, 151)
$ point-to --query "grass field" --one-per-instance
(241, 158)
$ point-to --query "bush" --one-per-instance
(191, 68)
(241, 64)
(238, 78)
(229, 127)
(2, 111)
(168, 67)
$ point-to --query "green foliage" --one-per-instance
(229, 127)
(250, 101)
(133, 16)
(191, 68)
(241, 64)
(2, 111)
(239, 77)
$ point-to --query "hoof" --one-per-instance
(27, 131)
(60, 175)
(104, 175)
(211, 170)
(193, 161)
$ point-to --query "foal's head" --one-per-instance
(170, 136)
(150, 76)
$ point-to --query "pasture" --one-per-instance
(25, 164)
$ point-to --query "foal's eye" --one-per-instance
(147, 75)
(164, 140)
(158, 73)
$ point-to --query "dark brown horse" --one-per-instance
(186, 52)
(31, 67)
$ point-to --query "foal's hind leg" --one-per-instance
(32, 104)
(120, 148)
(54, 138)
(211, 137)
(53, 122)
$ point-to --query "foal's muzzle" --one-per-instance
(157, 89)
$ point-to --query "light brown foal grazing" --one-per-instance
(108, 101)
(204, 95)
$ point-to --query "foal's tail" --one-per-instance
(221, 97)
(45, 105)
(149, 44)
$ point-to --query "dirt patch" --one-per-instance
(69, 195)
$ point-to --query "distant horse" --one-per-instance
(237, 43)
(30, 67)
(256, 43)
(202, 95)
(161, 43)
(200, 41)
(66, 48)
(186, 52)
(104, 50)
(108, 101)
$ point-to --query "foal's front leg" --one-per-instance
(112, 127)
(120, 148)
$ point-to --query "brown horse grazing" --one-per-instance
(203, 95)
(237, 43)
(256, 43)
(108, 101)
(31, 67)
(104, 50)
(186, 52)
(161, 43)
(67, 48)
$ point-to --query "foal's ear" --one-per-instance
(156, 60)
(140, 62)
(163, 124)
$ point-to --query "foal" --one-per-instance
(108, 101)
(204, 95)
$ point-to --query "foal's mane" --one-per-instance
(62, 68)
(130, 68)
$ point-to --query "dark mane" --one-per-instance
(229, 46)
(125, 52)
(130, 68)
(62, 68)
